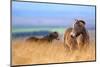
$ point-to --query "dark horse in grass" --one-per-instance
(76, 37)
(48, 38)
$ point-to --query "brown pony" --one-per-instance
(76, 37)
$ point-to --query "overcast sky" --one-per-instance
(43, 14)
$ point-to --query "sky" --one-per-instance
(27, 14)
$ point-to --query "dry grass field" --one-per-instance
(25, 52)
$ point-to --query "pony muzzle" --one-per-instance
(73, 35)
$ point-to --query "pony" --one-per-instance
(76, 37)
(47, 38)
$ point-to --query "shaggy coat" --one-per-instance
(76, 37)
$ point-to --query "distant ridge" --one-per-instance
(25, 34)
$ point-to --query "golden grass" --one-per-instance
(24, 52)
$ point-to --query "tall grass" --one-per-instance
(24, 52)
